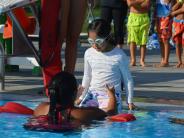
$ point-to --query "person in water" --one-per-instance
(63, 91)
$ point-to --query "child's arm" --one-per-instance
(86, 80)
(134, 2)
(175, 6)
(145, 4)
(178, 11)
(127, 77)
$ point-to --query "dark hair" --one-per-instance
(65, 86)
(102, 29)
(62, 94)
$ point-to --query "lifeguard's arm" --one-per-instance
(127, 77)
(134, 2)
(178, 11)
(87, 76)
(41, 109)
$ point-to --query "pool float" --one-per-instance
(122, 118)
(12, 107)
(40, 123)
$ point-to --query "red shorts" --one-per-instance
(178, 32)
(164, 27)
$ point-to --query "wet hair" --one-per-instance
(62, 94)
(65, 86)
(102, 29)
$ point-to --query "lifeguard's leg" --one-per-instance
(50, 48)
(76, 19)
(64, 16)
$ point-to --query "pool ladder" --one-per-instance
(2, 67)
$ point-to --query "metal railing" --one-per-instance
(2, 67)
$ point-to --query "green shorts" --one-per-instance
(138, 27)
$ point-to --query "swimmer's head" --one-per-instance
(64, 86)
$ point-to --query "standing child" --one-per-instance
(164, 29)
(178, 30)
(104, 64)
(138, 26)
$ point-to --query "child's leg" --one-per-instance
(178, 42)
(162, 54)
(166, 53)
(179, 55)
(142, 54)
(164, 50)
(164, 26)
(133, 54)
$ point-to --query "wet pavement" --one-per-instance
(162, 86)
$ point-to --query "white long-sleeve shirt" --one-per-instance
(101, 68)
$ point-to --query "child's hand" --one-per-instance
(112, 107)
(171, 14)
(79, 93)
(80, 90)
(110, 91)
(131, 106)
(78, 101)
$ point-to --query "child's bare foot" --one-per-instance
(132, 64)
(142, 64)
(179, 65)
(163, 64)
(182, 66)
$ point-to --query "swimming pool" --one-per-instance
(149, 124)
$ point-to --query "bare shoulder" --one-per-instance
(87, 114)
(42, 109)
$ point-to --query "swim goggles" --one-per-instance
(98, 41)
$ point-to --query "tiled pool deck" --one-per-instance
(155, 86)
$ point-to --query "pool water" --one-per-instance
(149, 124)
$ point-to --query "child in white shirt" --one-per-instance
(104, 64)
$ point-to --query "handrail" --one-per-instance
(2, 67)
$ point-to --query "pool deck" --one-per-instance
(161, 86)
